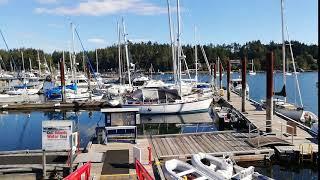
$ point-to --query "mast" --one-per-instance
(39, 64)
(283, 48)
(30, 65)
(174, 63)
(83, 62)
(97, 61)
(196, 53)
(119, 52)
(294, 68)
(22, 58)
(178, 46)
(73, 59)
(126, 48)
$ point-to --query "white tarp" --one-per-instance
(56, 135)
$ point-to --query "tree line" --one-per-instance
(159, 55)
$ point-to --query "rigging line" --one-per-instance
(5, 42)
(88, 60)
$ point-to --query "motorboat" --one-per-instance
(236, 86)
(179, 170)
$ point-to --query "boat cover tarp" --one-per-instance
(155, 94)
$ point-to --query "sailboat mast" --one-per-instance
(126, 49)
(283, 48)
(97, 60)
(22, 58)
(30, 65)
(39, 64)
(119, 52)
(294, 68)
(73, 55)
(174, 63)
(196, 53)
(179, 48)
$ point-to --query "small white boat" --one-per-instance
(220, 168)
(237, 86)
(179, 170)
(252, 72)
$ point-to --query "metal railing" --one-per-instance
(142, 173)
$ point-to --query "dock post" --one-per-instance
(228, 80)
(243, 83)
(220, 73)
(269, 98)
(89, 79)
(62, 79)
(44, 170)
(215, 74)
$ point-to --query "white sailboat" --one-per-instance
(252, 72)
(282, 106)
(166, 101)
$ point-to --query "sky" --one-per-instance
(45, 24)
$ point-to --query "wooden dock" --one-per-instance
(217, 143)
(282, 127)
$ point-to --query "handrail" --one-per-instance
(76, 175)
(142, 173)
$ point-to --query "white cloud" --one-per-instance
(138, 40)
(98, 41)
(105, 7)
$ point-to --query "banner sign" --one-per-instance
(56, 135)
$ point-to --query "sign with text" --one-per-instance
(56, 135)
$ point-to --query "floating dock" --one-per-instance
(53, 106)
(298, 137)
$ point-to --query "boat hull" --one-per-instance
(174, 108)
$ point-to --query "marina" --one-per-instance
(134, 108)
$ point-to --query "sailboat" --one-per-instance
(169, 101)
(282, 106)
(252, 72)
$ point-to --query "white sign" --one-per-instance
(56, 135)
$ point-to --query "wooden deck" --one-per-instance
(257, 119)
(220, 143)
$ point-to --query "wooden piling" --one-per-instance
(62, 79)
(89, 79)
(243, 82)
(228, 80)
(220, 73)
(269, 98)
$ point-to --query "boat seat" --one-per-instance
(186, 172)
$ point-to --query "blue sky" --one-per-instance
(45, 23)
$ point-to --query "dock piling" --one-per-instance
(243, 83)
(220, 73)
(228, 80)
(269, 98)
(62, 79)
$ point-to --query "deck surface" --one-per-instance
(258, 119)
(215, 143)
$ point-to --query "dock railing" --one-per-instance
(259, 130)
(142, 173)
